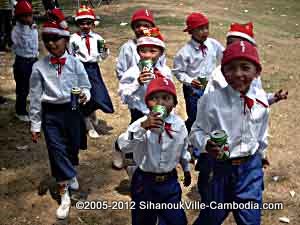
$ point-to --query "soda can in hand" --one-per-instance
(220, 138)
(75, 92)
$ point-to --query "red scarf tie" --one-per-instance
(247, 102)
(59, 62)
(168, 129)
(158, 74)
(87, 43)
(203, 49)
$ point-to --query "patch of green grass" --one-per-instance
(169, 20)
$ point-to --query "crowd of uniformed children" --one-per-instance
(222, 91)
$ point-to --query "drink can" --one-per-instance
(162, 110)
(220, 138)
(75, 92)
(146, 65)
(203, 81)
(101, 45)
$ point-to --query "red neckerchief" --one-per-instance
(158, 74)
(87, 42)
(247, 102)
(59, 62)
(203, 49)
(168, 129)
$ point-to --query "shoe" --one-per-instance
(73, 184)
(2, 100)
(93, 134)
(63, 210)
(23, 118)
(117, 160)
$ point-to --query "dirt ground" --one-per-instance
(24, 172)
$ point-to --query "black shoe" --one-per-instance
(2, 100)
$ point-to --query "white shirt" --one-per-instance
(190, 63)
(129, 57)
(25, 40)
(153, 156)
(217, 80)
(47, 86)
(82, 52)
(132, 93)
(223, 109)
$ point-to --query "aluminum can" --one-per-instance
(146, 65)
(203, 81)
(162, 110)
(220, 138)
(75, 92)
(101, 45)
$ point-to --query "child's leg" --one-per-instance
(249, 188)
(141, 193)
(214, 184)
(55, 135)
(191, 100)
(22, 72)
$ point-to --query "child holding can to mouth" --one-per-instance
(58, 81)
(236, 114)
(157, 154)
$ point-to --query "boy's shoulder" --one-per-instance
(128, 44)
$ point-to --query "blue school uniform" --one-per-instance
(50, 109)
(155, 179)
(86, 49)
(25, 46)
(239, 179)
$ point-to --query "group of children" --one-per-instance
(229, 98)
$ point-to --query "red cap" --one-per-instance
(242, 30)
(57, 24)
(143, 14)
(195, 20)
(85, 12)
(23, 7)
(241, 50)
(160, 84)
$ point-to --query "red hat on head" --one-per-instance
(23, 7)
(85, 12)
(143, 14)
(241, 50)
(242, 30)
(161, 84)
(195, 20)
(152, 37)
(57, 24)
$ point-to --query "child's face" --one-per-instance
(162, 98)
(138, 27)
(200, 33)
(150, 52)
(239, 74)
(26, 19)
(85, 25)
(55, 44)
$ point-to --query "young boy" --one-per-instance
(25, 46)
(54, 109)
(86, 46)
(142, 19)
(241, 32)
(157, 155)
(195, 60)
(241, 111)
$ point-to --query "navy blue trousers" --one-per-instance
(191, 96)
(100, 98)
(145, 189)
(22, 69)
(221, 182)
(62, 130)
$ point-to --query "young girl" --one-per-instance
(89, 48)
(157, 155)
(51, 108)
(25, 46)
